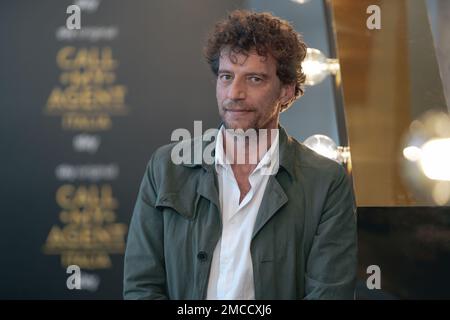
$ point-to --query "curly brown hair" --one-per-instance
(244, 30)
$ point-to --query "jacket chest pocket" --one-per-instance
(175, 203)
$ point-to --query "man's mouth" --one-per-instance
(238, 110)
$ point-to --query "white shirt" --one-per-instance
(231, 275)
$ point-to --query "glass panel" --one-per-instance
(389, 77)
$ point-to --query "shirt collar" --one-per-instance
(219, 154)
(268, 165)
(288, 156)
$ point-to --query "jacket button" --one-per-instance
(202, 255)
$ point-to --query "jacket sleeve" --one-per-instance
(144, 270)
(332, 261)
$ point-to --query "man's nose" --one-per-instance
(237, 90)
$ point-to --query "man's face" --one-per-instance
(249, 92)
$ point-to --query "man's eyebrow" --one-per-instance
(224, 71)
(259, 74)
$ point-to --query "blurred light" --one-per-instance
(426, 168)
(326, 147)
(441, 193)
(435, 160)
(412, 153)
(316, 66)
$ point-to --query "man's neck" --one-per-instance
(257, 144)
(252, 150)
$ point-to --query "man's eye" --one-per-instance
(255, 79)
(225, 77)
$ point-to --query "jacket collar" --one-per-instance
(274, 196)
(287, 155)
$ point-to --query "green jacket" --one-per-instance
(303, 244)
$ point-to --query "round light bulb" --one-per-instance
(316, 66)
(323, 145)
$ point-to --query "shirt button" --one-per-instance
(202, 256)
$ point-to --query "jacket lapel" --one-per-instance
(274, 198)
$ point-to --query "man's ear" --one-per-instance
(287, 94)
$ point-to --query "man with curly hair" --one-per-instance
(282, 227)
